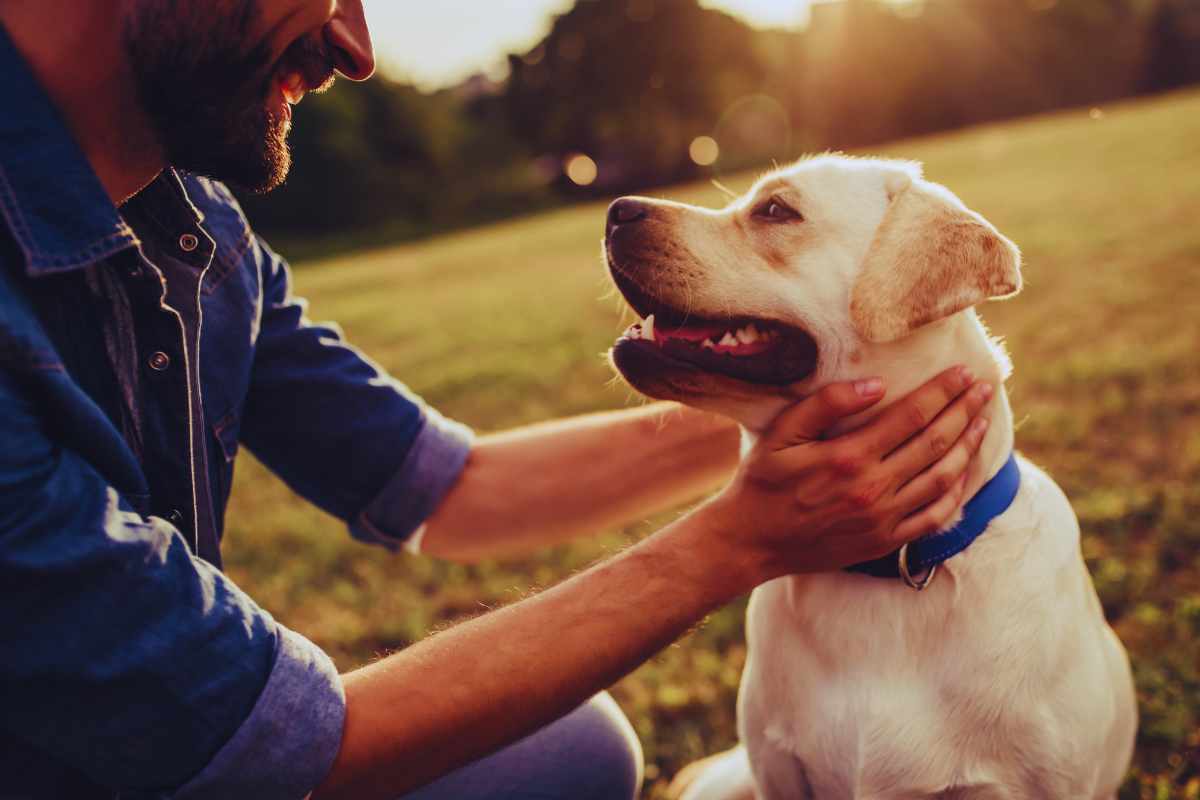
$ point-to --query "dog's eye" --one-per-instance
(776, 210)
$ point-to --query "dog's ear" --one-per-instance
(931, 258)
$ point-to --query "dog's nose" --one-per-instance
(624, 211)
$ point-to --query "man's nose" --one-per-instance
(626, 211)
(349, 39)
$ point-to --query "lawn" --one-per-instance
(507, 324)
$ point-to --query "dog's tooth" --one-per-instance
(708, 344)
(729, 340)
(747, 335)
(648, 328)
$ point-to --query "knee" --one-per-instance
(609, 761)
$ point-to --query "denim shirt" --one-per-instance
(139, 348)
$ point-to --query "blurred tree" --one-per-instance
(382, 155)
(631, 83)
(1175, 45)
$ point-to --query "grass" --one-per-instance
(505, 325)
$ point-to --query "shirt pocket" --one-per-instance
(225, 433)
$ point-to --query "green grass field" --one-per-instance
(506, 325)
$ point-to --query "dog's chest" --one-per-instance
(860, 710)
(861, 687)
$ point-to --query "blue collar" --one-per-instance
(50, 199)
(924, 554)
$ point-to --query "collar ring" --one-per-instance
(921, 583)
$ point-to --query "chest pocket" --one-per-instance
(224, 449)
(227, 339)
(231, 303)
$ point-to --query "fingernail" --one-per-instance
(869, 388)
(965, 375)
(985, 390)
(980, 426)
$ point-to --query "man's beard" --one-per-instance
(209, 90)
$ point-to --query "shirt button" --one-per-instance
(188, 242)
(159, 361)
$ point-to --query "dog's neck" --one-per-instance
(907, 364)
(961, 339)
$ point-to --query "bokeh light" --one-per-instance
(581, 169)
(704, 151)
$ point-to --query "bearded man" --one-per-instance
(146, 334)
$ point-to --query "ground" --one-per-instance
(506, 324)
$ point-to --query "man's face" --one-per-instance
(217, 78)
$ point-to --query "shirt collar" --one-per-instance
(54, 205)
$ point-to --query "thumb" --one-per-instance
(810, 418)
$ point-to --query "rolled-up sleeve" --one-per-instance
(338, 429)
(133, 663)
(289, 741)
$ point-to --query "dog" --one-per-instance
(1002, 678)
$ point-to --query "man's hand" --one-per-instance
(803, 503)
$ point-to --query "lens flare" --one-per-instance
(581, 169)
(704, 151)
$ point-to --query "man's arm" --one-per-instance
(797, 504)
(353, 441)
(127, 661)
(602, 471)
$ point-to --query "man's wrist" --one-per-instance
(717, 560)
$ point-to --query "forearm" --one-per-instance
(545, 484)
(470, 690)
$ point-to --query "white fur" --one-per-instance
(1003, 679)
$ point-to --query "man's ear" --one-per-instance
(931, 258)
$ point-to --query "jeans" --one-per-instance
(590, 754)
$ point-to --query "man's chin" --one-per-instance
(256, 167)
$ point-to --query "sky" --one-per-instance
(436, 43)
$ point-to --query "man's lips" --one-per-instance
(293, 86)
(305, 67)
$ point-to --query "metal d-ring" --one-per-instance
(918, 584)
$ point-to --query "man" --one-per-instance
(145, 332)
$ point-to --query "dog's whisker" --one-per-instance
(732, 195)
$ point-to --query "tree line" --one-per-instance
(630, 86)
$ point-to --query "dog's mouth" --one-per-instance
(749, 349)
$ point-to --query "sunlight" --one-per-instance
(765, 13)
(435, 45)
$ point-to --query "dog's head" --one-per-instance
(821, 271)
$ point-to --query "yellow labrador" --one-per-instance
(1002, 678)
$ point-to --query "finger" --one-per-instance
(934, 517)
(909, 416)
(940, 478)
(811, 417)
(933, 443)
